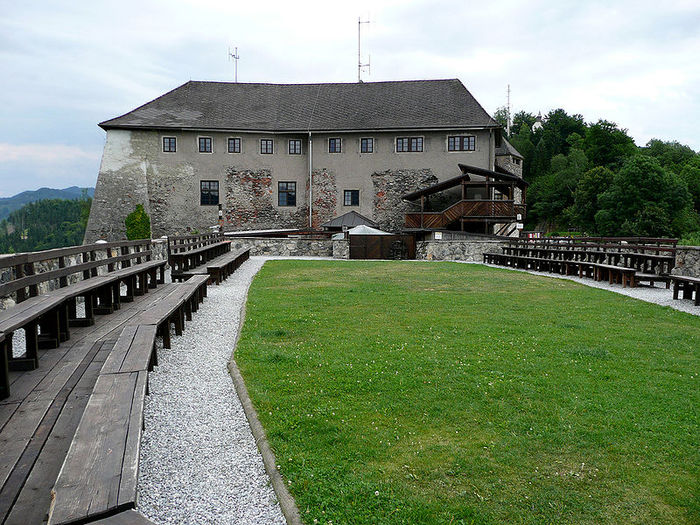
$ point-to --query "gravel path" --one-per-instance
(199, 461)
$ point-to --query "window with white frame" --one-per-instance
(334, 145)
(205, 145)
(461, 143)
(234, 145)
(295, 147)
(409, 144)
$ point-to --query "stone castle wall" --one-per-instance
(135, 170)
(687, 261)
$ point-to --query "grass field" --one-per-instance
(407, 392)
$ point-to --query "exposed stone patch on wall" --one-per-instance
(174, 211)
(389, 187)
(284, 247)
(324, 195)
(471, 250)
(687, 261)
(249, 202)
(341, 249)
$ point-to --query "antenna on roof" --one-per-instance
(508, 113)
(360, 65)
(234, 56)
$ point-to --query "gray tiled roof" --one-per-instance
(414, 104)
(349, 220)
(507, 149)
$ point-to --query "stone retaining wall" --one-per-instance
(284, 247)
(687, 261)
(471, 250)
(341, 249)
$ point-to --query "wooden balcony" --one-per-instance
(492, 211)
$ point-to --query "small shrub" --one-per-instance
(691, 239)
(138, 224)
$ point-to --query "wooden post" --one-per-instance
(422, 208)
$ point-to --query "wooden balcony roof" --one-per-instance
(500, 175)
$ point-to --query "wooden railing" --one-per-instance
(491, 210)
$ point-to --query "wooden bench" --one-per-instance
(134, 351)
(4, 368)
(687, 285)
(99, 475)
(187, 252)
(174, 308)
(47, 284)
(615, 274)
(223, 266)
(652, 279)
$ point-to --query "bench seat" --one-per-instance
(615, 274)
(134, 351)
(223, 266)
(99, 475)
(652, 278)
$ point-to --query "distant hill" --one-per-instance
(10, 204)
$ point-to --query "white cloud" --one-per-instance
(44, 153)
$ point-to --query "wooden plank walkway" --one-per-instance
(40, 418)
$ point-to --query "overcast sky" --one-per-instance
(65, 66)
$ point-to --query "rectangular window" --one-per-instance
(209, 192)
(461, 143)
(333, 145)
(234, 145)
(351, 198)
(266, 146)
(286, 193)
(409, 144)
(295, 147)
(367, 145)
(169, 144)
(205, 144)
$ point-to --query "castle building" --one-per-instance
(294, 156)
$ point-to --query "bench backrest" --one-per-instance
(29, 270)
(628, 244)
(185, 243)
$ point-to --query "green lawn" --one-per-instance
(408, 392)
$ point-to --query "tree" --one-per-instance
(551, 195)
(523, 118)
(644, 199)
(501, 116)
(138, 224)
(523, 143)
(607, 145)
(590, 186)
(690, 173)
(671, 155)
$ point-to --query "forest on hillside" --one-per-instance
(592, 178)
(45, 224)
